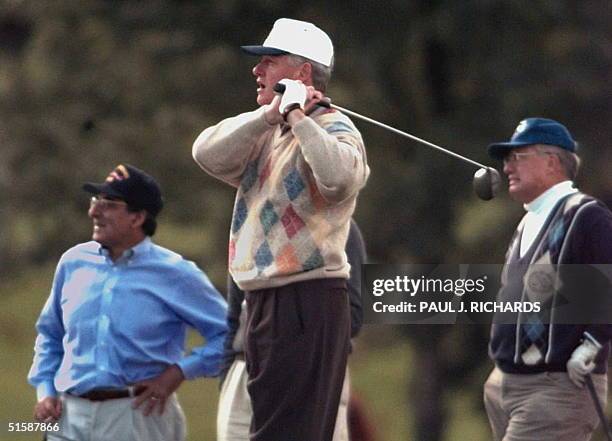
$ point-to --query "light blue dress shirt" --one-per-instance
(110, 324)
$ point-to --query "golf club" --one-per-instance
(602, 417)
(486, 180)
(593, 393)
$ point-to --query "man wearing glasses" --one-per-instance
(537, 389)
(110, 348)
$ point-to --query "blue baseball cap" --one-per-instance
(535, 131)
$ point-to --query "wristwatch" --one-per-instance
(289, 109)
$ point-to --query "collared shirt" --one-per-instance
(539, 209)
(109, 324)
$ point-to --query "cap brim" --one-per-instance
(500, 149)
(91, 187)
(262, 50)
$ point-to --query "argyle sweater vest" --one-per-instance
(535, 280)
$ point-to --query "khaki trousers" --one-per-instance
(115, 420)
(541, 407)
(235, 412)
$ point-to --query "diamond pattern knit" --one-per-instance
(283, 226)
(540, 283)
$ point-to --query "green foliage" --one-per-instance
(87, 84)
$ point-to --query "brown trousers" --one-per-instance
(541, 407)
(297, 344)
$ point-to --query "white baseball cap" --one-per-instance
(296, 37)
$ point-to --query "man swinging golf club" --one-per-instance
(298, 169)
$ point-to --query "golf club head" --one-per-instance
(486, 183)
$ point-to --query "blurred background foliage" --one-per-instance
(86, 84)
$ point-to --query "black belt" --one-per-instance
(112, 394)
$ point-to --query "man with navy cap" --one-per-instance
(537, 388)
(110, 348)
(298, 169)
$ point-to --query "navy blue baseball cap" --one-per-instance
(535, 131)
(131, 185)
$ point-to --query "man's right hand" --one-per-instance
(48, 410)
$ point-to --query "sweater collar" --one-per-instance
(547, 200)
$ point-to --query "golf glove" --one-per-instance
(581, 363)
(295, 93)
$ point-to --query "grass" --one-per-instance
(380, 378)
(380, 368)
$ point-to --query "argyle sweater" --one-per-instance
(236, 317)
(296, 192)
(577, 231)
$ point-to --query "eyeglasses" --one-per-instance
(104, 203)
(514, 157)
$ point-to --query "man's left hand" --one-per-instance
(295, 95)
(158, 389)
(313, 96)
(581, 363)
